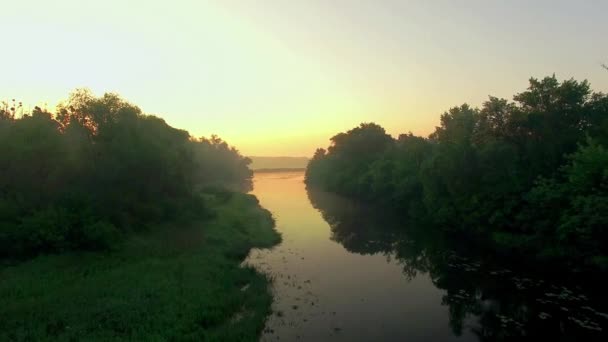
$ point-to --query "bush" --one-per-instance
(44, 231)
(99, 236)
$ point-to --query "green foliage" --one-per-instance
(529, 175)
(99, 235)
(173, 282)
(343, 166)
(220, 165)
(98, 169)
(44, 230)
(574, 203)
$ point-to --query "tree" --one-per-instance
(519, 173)
(99, 169)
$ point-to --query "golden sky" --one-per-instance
(281, 77)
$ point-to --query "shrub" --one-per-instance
(99, 235)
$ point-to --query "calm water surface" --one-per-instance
(346, 273)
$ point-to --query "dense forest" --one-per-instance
(98, 169)
(116, 226)
(528, 177)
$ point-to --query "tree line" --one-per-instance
(98, 169)
(527, 176)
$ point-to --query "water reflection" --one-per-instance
(488, 298)
(349, 272)
(324, 292)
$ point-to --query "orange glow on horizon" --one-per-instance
(282, 78)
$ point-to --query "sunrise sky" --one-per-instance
(281, 77)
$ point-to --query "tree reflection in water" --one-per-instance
(494, 299)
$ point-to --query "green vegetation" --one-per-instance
(99, 170)
(172, 282)
(116, 226)
(528, 177)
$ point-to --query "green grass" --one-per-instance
(176, 282)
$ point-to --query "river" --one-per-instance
(347, 273)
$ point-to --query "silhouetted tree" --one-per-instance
(501, 173)
(98, 170)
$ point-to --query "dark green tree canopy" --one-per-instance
(527, 174)
(99, 169)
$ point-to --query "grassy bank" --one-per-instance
(180, 281)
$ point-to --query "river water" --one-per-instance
(348, 273)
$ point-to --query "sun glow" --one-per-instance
(283, 77)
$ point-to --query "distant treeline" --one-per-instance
(528, 176)
(287, 169)
(97, 169)
(276, 163)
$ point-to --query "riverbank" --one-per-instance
(343, 262)
(177, 281)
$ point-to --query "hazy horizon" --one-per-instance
(264, 77)
(278, 162)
